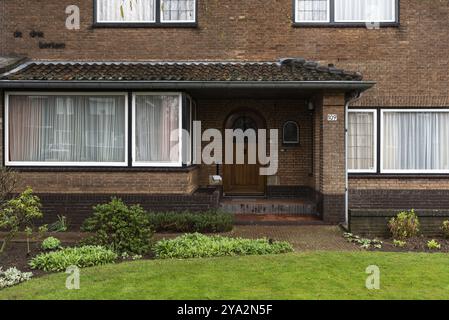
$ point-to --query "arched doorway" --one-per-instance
(244, 179)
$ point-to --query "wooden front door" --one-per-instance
(243, 179)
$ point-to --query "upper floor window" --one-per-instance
(145, 11)
(346, 11)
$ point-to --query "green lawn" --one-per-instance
(316, 275)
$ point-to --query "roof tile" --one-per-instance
(284, 70)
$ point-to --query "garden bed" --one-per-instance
(16, 256)
(417, 244)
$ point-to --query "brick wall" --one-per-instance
(331, 157)
(398, 193)
(110, 182)
(409, 62)
(77, 207)
(374, 223)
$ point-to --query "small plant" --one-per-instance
(61, 225)
(204, 222)
(51, 243)
(433, 245)
(18, 213)
(399, 243)
(12, 277)
(119, 227)
(82, 257)
(364, 243)
(197, 245)
(404, 225)
(445, 228)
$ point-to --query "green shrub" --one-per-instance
(86, 256)
(199, 246)
(404, 225)
(433, 245)
(445, 228)
(51, 243)
(209, 221)
(119, 227)
(18, 214)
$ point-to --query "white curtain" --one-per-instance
(361, 141)
(364, 10)
(157, 123)
(126, 10)
(416, 141)
(178, 10)
(67, 128)
(312, 10)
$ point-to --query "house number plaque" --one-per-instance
(332, 117)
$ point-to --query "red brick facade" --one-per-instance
(409, 64)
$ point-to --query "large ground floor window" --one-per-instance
(66, 129)
(411, 141)
(415, 141)
(91, 129)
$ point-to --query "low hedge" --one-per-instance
(205, 222)
(86, 256)
(200, 246)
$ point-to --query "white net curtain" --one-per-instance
(346, 10)
(67, 128)
(178, 10)
(364, 10)
(126, 10)
(361, 141)
(145, 10)
(157, 128)
(416, 141)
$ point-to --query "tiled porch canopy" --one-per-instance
(293, 73)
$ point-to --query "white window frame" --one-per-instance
(393, 4)
(191, 160)
(8, 162)
(123, 21)
(133, 148)
(374, 112)
(297, 20)
(177, 21)
(406, 171)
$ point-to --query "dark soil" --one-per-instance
(16, 255)
(418, 244)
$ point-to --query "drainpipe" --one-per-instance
(356, 95)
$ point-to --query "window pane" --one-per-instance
(364, 10)
(178, 10)
(67, 128)
(126, 11)
(415, 141)
(157, 128)
(361, 141)
(291, 132)
(187, 126)
(312, 10)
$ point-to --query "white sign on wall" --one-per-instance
(332, 117)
